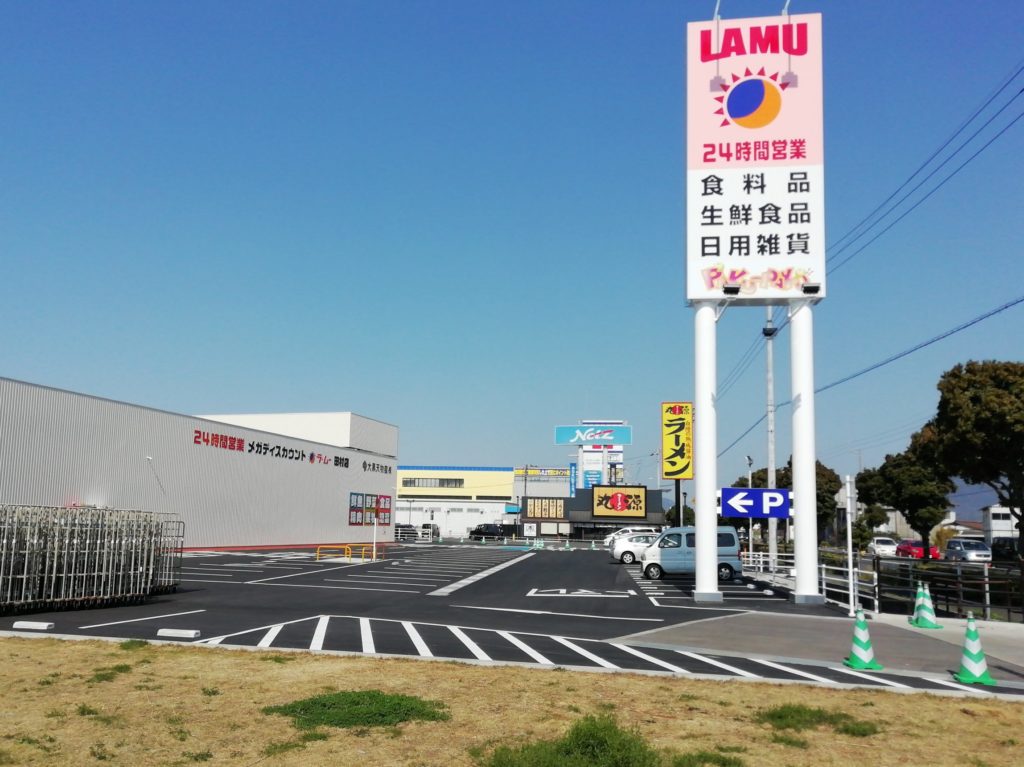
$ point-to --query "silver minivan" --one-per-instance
(674, 551)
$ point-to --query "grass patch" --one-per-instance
(789, 740)
(278, 658)
(594, 741)
(798, 717)
(359, 708)
(109, 674)
(701, 758)
(84, 710)
(133, 644)
(209, 692)
(200, 756)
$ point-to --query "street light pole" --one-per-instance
(769, 332)
(750, 520)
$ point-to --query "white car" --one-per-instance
(628, 548)
(882, 547)
(627, 531)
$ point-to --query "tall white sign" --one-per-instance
(755, 160)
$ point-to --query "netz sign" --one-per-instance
(593, 435)
(755, 503)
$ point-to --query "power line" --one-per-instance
(886, 361)
(741, 366)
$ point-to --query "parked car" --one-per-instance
(968, 550)
(628, 548)
(1004, 550)
(484, 532)
(882, 547)
(675, 551)
(627, 531)
(404, 532)
(430, 531)
(915, 550)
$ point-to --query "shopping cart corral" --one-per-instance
(61, 558)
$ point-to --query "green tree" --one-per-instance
(978, 431)
(911, 483)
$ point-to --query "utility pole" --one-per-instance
(769, 332)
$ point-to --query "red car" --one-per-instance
(915, 550)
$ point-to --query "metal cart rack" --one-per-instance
(54, 558)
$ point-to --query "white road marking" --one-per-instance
(417, 640)
(525, 648)
(390, 583)
(789, 670)
(956, 686)
(305, 572)
(366, 634)
(571, 615)
(719, 664)
(584, 653)
(320, 634)
(650, 658)
(270, 636)
(341, 588)
(214, 568)
(875, 679)
(136, 620)
(445, 591)
(473, 646)
(189, 571)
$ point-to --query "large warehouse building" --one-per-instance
(248, 480)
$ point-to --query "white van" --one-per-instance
(674, 551)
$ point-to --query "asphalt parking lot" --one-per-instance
(502, 604)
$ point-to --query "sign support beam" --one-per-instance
(705, 450)
(805, 501)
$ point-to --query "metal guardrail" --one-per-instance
(54, 557)
(366, 550)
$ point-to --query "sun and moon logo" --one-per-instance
(751, 101)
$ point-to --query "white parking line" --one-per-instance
(584, 653)
(270, 636)
(473, 646)
(390, 583)
(367, 636)
(719, 664)
(875, 679)
(212, 568)
(650, 658)
(417, 640)
(136, 620)
(307, 572)
(525, 648)
(789, 670)
(320, 634)
(474, 578)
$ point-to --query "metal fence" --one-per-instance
(53, 558)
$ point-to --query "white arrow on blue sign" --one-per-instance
(754, 502)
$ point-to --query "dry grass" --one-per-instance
(98, 703)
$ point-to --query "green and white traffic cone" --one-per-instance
(592, 545)
(862, 656)
(973, 666)
(918, 601)
(924, 614)
(929, 608)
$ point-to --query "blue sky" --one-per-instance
(466, 218)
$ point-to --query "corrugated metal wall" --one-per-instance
(59, 448)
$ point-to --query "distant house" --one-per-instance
(997, 522)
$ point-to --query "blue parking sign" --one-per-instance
(755, 502)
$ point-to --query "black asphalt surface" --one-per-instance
(478, 603)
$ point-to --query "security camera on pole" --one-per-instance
(755, 236)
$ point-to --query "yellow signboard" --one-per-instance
(677, 440)
(620, 501)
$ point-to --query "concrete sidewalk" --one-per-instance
(897, 645)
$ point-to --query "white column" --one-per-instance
(705, 452)
(805, 522)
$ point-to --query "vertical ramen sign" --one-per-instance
(755, 159)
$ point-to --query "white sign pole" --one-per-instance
(705, 449)
(374, 535)
(849, 544)
(805, 502)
